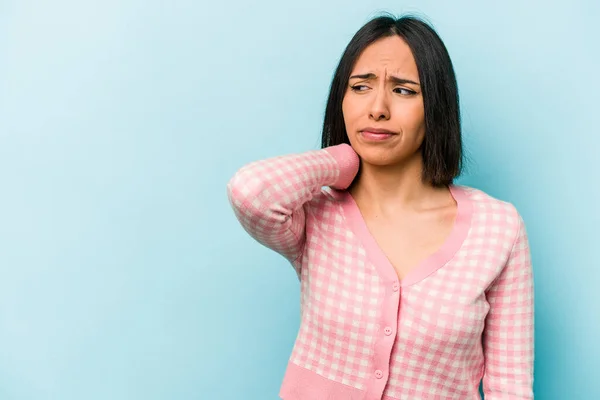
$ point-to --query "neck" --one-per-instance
(390, 189)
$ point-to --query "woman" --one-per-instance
(412, 287)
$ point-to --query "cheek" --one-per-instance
(408, 113)
(410, 116)
(352, 107)
(352, 114)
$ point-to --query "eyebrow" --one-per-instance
(395, 79)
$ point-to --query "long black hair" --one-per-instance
(442, 145)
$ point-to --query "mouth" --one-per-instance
(376, 135)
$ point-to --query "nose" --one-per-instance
(380, 109)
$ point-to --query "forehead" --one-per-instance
(391, 54)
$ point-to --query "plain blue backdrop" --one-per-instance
(123, 272)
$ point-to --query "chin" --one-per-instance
(379, 157)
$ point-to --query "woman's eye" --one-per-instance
(359, 88)
(406, 91)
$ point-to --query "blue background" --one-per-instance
(123, 272)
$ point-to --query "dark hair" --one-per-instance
(442, 145)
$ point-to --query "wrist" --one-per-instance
(348, 163)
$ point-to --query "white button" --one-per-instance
(378, 374)
(387, 331)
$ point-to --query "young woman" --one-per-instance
(412, 287)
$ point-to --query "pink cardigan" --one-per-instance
(463, 314)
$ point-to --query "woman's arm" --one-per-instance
(267, 196)
(508, 338)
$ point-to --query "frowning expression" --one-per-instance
(383, 104)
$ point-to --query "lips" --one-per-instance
(378, 130)
(374, 134)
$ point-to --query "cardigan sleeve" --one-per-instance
(268, 196)
(508, 338)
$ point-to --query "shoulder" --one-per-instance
(497, 214)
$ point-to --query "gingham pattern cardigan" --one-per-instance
(463, 314)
